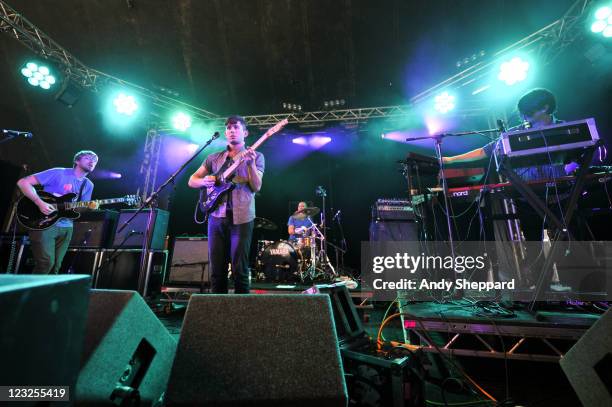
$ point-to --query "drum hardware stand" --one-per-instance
(324, 260)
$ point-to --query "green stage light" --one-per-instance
(38, 75)
(513, 71)
(603, 21)
(181, 121)
(125, 104)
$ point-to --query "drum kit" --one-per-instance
(297, 260)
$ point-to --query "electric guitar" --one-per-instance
(222, 186)
(32, 218)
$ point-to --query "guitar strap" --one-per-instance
(81, 189)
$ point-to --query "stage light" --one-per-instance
(125, 104)
(181, 121)
(38, 75)
(513, 71)
(444, 102)
(603, 21)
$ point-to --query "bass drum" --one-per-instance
(279, 262)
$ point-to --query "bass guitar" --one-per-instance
(222, 186)
(32, 218)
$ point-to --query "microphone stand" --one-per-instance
(143, 279)
(438, 138)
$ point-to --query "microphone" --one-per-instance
(17, 133)
(337, 215)
(216, 135)
(500, 126)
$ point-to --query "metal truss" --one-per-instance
(150, 163)
(547, 44)
(349, 116)
(482, 339)
(17, 26)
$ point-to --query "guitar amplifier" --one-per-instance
(189, 264)
(393, 209)
(131, 237)
(94, 229)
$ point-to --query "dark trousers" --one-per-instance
(229, 243)
(49, 248)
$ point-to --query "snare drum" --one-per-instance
(279, 262)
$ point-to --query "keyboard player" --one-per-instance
(537, 109)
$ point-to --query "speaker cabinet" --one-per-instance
(42, 325)
(81, 261)
(257, 350)
(131, 237)
(125, 346)
(394, 231)
(94, 229)
(189, 265)
(588, 364)
(120, 270)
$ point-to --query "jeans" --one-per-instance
(229, 243)
(49, 247)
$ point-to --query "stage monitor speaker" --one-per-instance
(94, 229)
(258, 350)
(42, 325)
(125, 346)
(131, 237)
(189, 265)
(382, 231)
(588, 364)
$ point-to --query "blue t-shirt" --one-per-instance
(61, 181)
(298, 223)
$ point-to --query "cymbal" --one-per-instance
(266, 224)
(306, 212)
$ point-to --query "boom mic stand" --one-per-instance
(143, 278)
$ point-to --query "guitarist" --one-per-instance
(230, 225)
(50, 245)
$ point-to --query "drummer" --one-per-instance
(299, 223)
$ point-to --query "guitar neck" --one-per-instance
(86, 204)
(240, 157)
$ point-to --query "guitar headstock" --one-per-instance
(132, 200)
(276, 128)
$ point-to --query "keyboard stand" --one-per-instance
(560, 230)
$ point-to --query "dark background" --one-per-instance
(250, 56)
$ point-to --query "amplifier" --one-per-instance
(189, 264)
(94, 229)
(132, 236)
(120, 270)
(393, 209)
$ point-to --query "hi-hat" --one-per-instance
(306, 212)
(266, 224)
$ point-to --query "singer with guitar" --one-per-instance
(50, 245)
(232, 177)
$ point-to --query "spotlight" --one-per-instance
(38, 75)
(125, 104)
(513, 71)
(181, 121)
(444, 102)
(603, 21)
